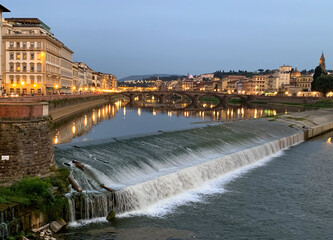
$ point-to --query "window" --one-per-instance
(32, 67)
(38, 56)
(39, 90)
(32, 45)
(11, 56)
(39, 79)
(39, 44)
(18, 44)
(18, 79)
(11, 67)
(32, 56)
(12, 90)
(24, 45)
(18, 91)
(11, 79)
(18, 67)
(18, 56)
(24, 56)
(24, 67)
(11, 45)
(39, 67)
(32, 79)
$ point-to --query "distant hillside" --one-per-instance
(140, 77)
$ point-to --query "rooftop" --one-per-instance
(27, 22)
(4, 9)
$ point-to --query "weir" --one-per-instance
(96, 204)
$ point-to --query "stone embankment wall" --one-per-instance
(285, 99)
(56, 101)
(17, 217)
(318, 130)
(25, 140)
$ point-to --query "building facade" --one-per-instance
(284, 75)
(66, 68)
(2, 9)
(31, 58)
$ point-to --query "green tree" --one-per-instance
(324, 84)
(318, 72)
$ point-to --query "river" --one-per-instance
(196, 175)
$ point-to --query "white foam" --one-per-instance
(216, 186)
(83, 222)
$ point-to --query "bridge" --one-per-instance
(162, 96)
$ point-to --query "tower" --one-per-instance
(322, 62)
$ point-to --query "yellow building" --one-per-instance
(33, 60)
(257, 85)
(304, 82)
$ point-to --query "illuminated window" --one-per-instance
(18, 56)
(24, 56)
(18, 67)
(38, 56)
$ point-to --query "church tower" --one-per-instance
(322, 62)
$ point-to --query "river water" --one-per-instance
(184, 175)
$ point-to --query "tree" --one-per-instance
(318, 72)
(324, 84)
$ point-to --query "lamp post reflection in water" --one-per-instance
(85, 120)
(81, 125)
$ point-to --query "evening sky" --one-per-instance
(126, 37)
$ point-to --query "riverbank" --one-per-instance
(313, 122)
(61, 113)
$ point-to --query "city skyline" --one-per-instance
(177, 37)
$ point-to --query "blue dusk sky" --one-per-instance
(126, 37)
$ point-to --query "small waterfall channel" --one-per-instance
(147, 170)
(9, 221)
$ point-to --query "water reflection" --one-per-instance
(84, 124)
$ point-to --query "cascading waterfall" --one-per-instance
(89, 205)
(149, 169)
(144, 194)
(3, 226)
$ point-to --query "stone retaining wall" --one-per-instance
(318, 130)
(17, 217)
(25, 149)
(25, 140)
